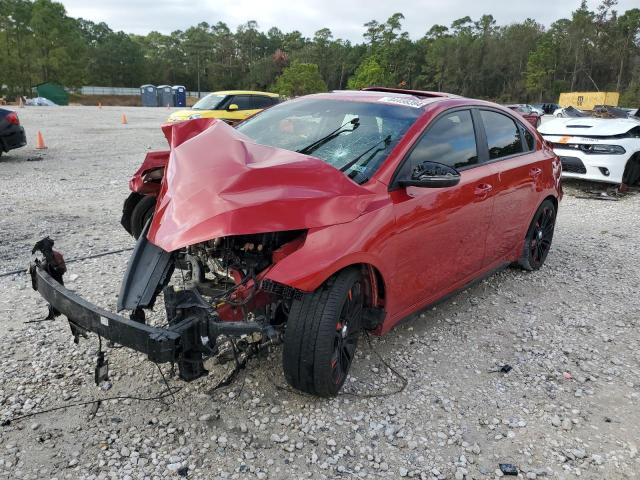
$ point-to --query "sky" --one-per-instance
(344, 17)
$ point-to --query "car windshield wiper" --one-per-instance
(386, 140)
(327, 138)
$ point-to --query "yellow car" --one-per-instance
(232, 106)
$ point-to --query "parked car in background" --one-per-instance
(232, 106)
(537, 109)
(547, 108)
(320, 218)
(527, 112)
(569, 112)
(598, 149)
(11, 132)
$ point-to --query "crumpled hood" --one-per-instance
(587, 126)
(218, 182)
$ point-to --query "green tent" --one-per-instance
(54, 92)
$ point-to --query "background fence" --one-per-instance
(123, 91)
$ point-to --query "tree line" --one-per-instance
(525, 61)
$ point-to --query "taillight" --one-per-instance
(13, 118)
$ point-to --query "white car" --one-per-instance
(569, 112)
(598, 149)
(535, 109)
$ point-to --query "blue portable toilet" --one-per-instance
(149, 96)
(179, 95)
(165, 96)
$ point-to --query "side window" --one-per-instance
(503, 137)
(261, 102)
(244, 102)
(450, 141)
(528, 139)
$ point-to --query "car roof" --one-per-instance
(244, 92)
(408, 98)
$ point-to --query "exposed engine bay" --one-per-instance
(226, 270)
(214, 288)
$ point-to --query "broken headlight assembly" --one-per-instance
(154, 175)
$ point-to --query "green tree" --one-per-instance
(300, 79)
(368, 74)
(540, 67)
(59, 48)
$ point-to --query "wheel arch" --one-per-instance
(630, 171)
(376, 288)
(371, 270)
(553, 199)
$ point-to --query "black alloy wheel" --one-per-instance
(347, 332)
(539, 237)
(322, 333)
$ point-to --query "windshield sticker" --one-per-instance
(407, 101)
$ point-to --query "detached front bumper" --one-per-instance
(190, 336)
(160, 344)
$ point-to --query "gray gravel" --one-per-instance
(567, 409)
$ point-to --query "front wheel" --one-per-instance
(322, 335)
(537, 243)
(141, 214)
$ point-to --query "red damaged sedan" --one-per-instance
(317, 219)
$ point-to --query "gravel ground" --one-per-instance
(567, 409)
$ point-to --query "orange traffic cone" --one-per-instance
(40, 141)
(124, 119)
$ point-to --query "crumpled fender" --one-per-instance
(218, 182)
(327, 250)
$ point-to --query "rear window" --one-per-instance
(503, 137)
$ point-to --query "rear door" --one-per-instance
(440, 232)
(518, 166)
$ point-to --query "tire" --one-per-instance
(322, 333)
(537, 243)
(631, 174)
(141, 213)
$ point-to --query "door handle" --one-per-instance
(483, 190)
(534, 172)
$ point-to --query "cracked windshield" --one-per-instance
(353, 137)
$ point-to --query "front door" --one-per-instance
(440, 232)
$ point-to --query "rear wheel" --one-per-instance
(141, 214)
(322, 335)
(539, 237)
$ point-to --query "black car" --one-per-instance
(11, 132)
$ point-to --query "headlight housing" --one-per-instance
(194, 115)
(154, 175)
(599, 149)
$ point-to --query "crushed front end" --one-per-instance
(216, 296)
(223, 221)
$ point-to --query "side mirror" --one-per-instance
(432, 175)
(232, 108)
